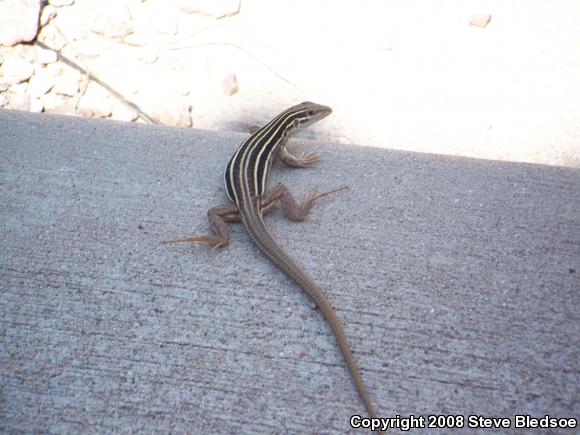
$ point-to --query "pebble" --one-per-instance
(123, 113)
(170, 113)
(95, 102)
(47, 14)
(111, 19)
(19, 101)
(230, 84)
(16, 70)
(46, 56)
(65, 86)
(57, 104)
(40, 83)
(480, 20)
(36, 105)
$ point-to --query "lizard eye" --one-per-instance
(311, 113)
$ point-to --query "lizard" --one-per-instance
(245, 178)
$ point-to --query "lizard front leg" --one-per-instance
(302, 161)
(217, 217)
(293, 210)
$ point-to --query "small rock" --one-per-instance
(480, 20)
(18, 21)
(177, 116)
(19, 88)
(19, 101)
(54, 69)
(111, 19)
(95, 102)
(60, 3)
(88, 48)
(48, 13)
(24, 51)
(230, 84)
(165, 109)
(213, 8)
(39, 84)
(51, 37)
(15, 70)
(58, 104)
(123, 113)
(50, 101)
(45, 56)
(36, 105)
(67, 108)
(3, 87)
(65, 86)
(3, 99)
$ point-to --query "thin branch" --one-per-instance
(101, 83)
(227, 44)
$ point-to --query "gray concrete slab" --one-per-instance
(457, 281)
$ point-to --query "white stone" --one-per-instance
(57, 104)
(39, 84)
(36, 105)
(46, 56)
(123, 113)
(480, 20)
(64, 85)
(19, 101)
(168, 110)
(95, 102)
(18, 21)
(111, 18)
(19, 88)
(47, 14)
(54, 69)
(50, 101)
(15, 70)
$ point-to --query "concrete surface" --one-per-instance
(456, 279)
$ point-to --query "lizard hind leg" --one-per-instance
(218, 218)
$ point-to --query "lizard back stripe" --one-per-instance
(247, 171)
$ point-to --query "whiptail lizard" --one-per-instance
(246, 177)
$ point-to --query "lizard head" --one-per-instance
(307, 113)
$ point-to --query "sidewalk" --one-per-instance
(456, 280)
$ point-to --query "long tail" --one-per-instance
(270, 248)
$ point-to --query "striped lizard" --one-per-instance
(246, 177)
